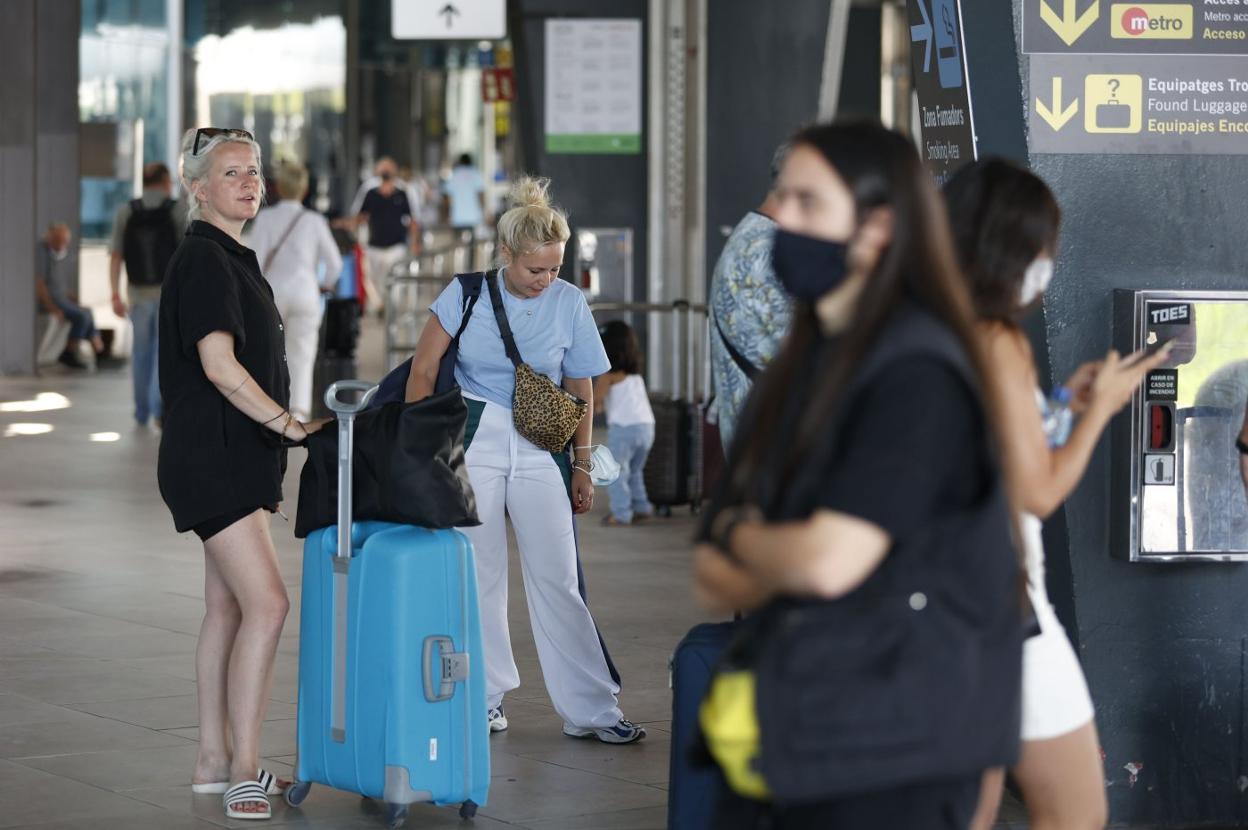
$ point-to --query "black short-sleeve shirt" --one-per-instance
(910, 451)
(385, 217)
(913, 452)
(213, 458)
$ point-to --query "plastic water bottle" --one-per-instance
(1058, 417)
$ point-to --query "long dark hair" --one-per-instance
(1003, 216)
(623, 350)
(881, 169)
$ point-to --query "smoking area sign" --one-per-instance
(1110, 77)
(938, 56)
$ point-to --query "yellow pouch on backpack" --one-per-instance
(729, 722)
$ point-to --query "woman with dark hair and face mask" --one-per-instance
(864, 521)
(1005, 224)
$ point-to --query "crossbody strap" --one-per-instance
(500, 314)
(268, 260)
(750, 370)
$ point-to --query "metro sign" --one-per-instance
(1152, 21)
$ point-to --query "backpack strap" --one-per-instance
(743, 363)
(471, 284)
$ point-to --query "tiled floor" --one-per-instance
(100, 602)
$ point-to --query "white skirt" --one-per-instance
(1055, 694)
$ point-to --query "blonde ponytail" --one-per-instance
(532, 221)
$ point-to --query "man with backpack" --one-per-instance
(146, 232)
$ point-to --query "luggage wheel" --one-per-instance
(468, 810)
(396, 814)
(297, 792)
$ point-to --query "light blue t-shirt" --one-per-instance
(555, 334)
(464, 187)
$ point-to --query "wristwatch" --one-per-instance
(1241, 446)
(584, 464)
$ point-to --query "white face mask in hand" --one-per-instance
(1035, 280)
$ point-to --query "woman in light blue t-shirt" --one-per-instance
(555, 334)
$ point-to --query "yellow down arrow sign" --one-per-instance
(1057, 117)
(1071, 25)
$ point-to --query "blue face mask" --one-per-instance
(808, 267)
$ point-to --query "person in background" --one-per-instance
(750, 312)
(880, 666)
(393, 231)
(555, 334)
(1005, 227)
(56, 290)
(299, 258)
(225, 386)
(464, 191)
(621, 394)
(384, 165)
(146, 232)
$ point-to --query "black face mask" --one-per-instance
(807, 267)
(385, 177)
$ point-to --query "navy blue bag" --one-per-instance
(695, 784)
(393, 386)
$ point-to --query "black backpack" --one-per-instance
(149, 241)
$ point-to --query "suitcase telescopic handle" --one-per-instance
(341, 407)
(346, 412)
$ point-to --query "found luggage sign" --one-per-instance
(938, 56)
(1163, 78)
(1126, 104)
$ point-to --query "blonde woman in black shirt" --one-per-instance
(225, 385)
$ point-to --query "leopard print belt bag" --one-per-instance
(542, 411)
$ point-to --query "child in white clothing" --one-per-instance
(621, 393)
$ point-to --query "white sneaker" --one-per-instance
(623, 732)
(498, 721)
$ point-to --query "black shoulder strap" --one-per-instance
(504, 327)
(136, 206)
(471, 284)
(750, 370)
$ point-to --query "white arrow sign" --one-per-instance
(448, 19)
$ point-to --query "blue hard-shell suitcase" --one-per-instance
(391, 678)
(694, 788)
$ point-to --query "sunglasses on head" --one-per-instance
(210, 133)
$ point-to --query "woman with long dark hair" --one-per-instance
(865, 521)
(1005, 225)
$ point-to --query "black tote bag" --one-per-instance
(408, 467)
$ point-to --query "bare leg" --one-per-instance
(1063, 781)
(247, 561)
(989, 799)
(216, 641)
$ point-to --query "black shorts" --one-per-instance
(207, 529)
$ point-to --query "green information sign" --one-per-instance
(593, 86)
(601, 143)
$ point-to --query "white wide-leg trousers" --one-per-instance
(510, 474)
